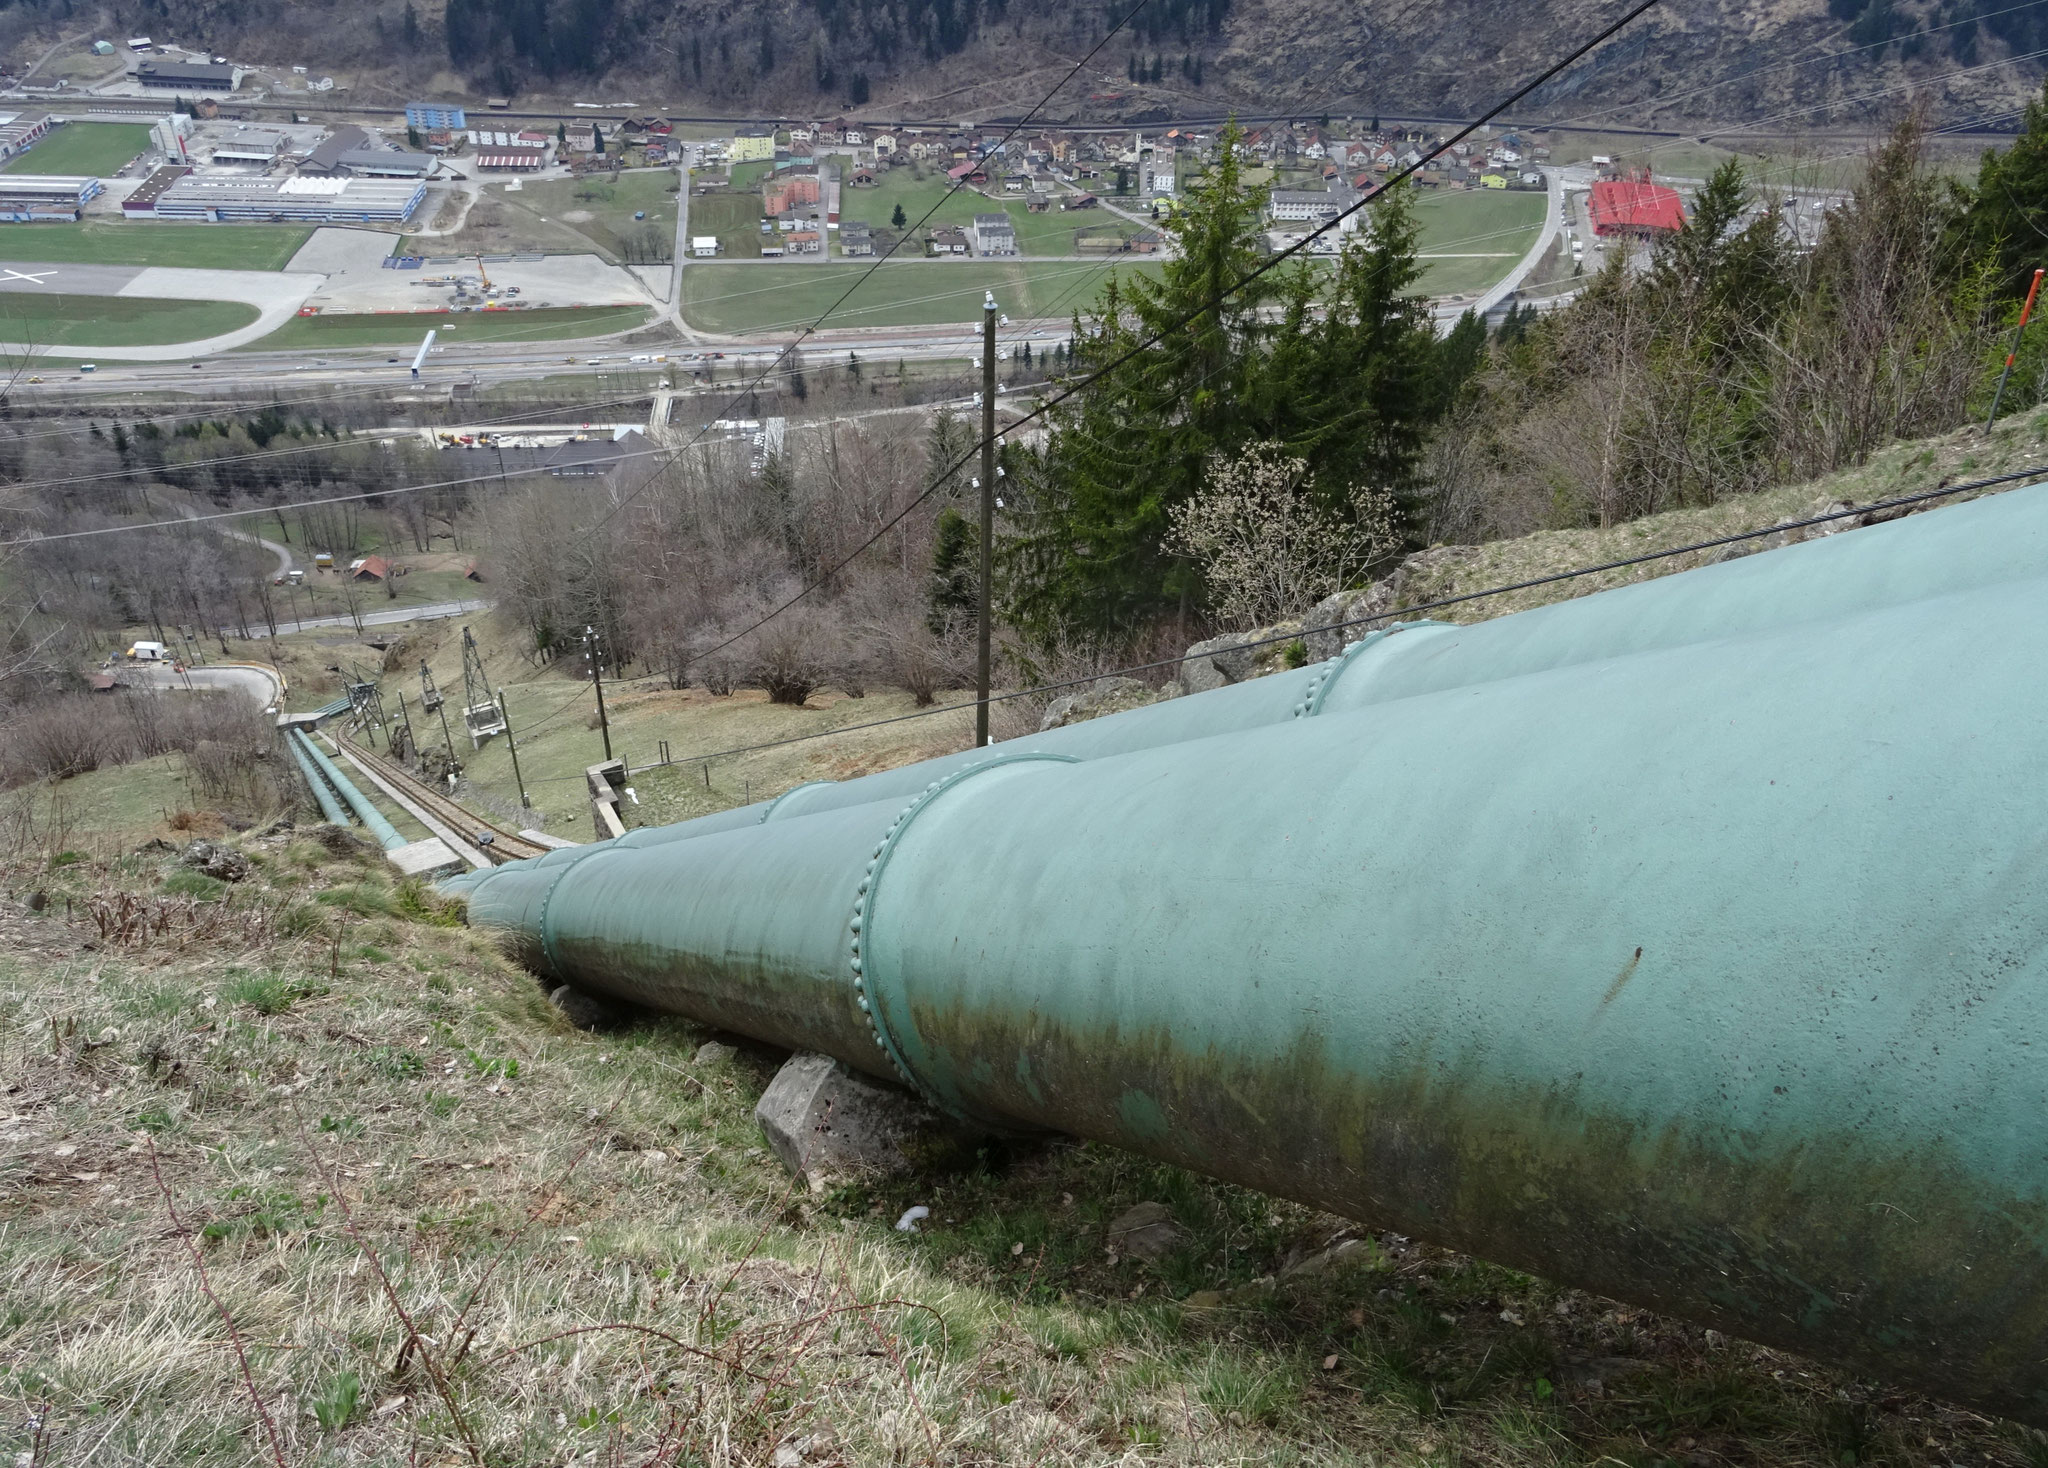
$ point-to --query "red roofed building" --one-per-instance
(1635, 207)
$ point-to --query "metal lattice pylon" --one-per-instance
(430, 694)
(481, 715)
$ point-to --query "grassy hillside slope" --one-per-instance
(309, 1123)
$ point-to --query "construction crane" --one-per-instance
(483, 274)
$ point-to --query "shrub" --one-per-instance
(794, 654)
(226, 738)
(188, 883)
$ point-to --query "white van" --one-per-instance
(146, 652)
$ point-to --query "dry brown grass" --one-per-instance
(2020, 442)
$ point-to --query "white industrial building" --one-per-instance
(251, 147)
(42, 197)
(217, 198)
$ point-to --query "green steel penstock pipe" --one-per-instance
(1701, 966)
(386, 834)
(1996, 538)
(330, 807)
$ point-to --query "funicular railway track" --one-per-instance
(503, 845)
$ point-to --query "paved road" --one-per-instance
(1553, 220)
(390, 617)
(261, 683)
(284, 556)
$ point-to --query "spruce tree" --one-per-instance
(2008, 209)
(1089, 556)
(953, 594)
(1352, 383)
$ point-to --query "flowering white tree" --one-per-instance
(1266, 546)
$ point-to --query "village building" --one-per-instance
(751, 145)
(187, 76)
(1634, 208)
(222, 198)
(994, 234)
(22, 131)
(424, 115)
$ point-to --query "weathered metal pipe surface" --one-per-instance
(372, 818)
(1707, 974)
(330, 807)
(2000, 537)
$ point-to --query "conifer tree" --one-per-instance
(2008, 208)
(1089, 556)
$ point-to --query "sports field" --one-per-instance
(187, 246)
(773, 296)
(97, 149)
(1482, 232)
(115, 321)
(456, 328)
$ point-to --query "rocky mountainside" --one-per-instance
(1728, 61)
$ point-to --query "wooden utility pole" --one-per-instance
(593, 652)
(988, 513)
(512, 745)
(454, 764)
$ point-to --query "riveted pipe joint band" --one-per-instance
(770, 810)
(869, 982)
(547, 929)
(1313, 697)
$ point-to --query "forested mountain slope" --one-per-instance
(952, 58)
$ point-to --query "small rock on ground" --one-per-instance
(1144, 1232)
(223, 863)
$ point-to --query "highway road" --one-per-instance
(727, 358)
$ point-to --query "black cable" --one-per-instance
(1271, 263)
(1828, 517)
(883, 259)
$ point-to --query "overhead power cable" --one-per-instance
(1663, 103)
(1900, 502)
(957, 184)
(1272, 263)
(667, 454)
